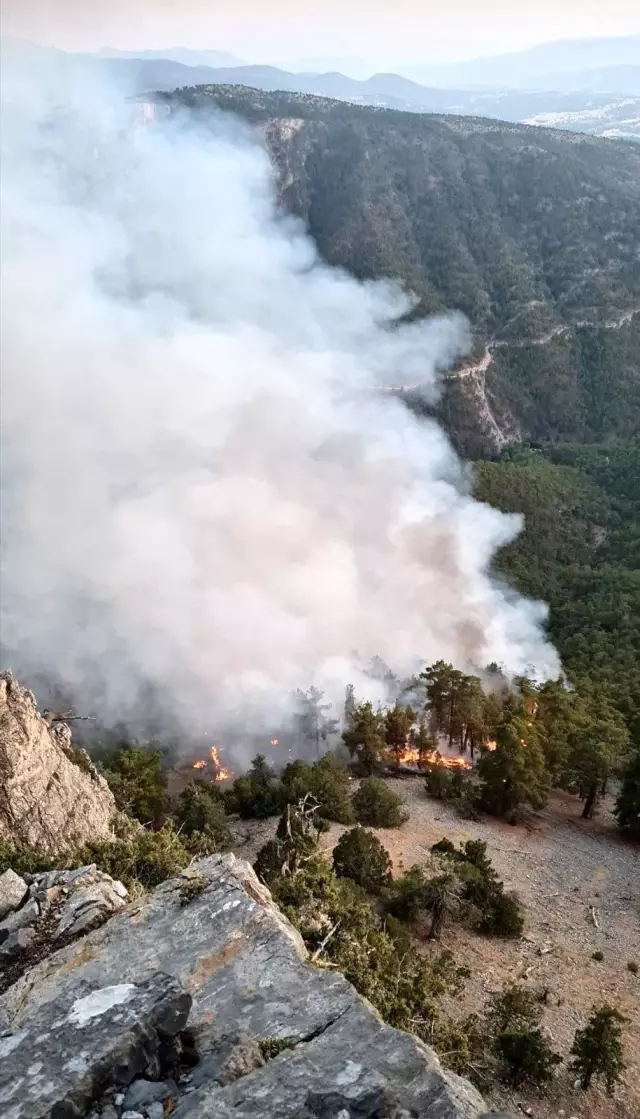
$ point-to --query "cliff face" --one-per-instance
(199, 994)
(46, 800)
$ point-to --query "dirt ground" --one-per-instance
(564, 870)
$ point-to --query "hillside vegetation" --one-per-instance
(533, 233)
(580, 552)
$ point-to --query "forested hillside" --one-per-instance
(533, 233)
(580, 552)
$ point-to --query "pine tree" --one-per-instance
(398, 722)
(628, 802)
(364, 737)
(597, 745)
(597, 1049)
(514, 772)
(360, 856)
(311, 719)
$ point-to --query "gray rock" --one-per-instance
(155, 1111)
(245, 967)
(357, 1062)
(144, 1092)
(84, 1041)
(109, 1112)
(231, 1055)
(19, 919)
(225, 1058)
(16, 943)
(88, 907)
(13, 890)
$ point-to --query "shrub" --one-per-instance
(144, 858)
(256, 793)
(408, 894)
(378, 806)
(632, 967)
(503, 917)
(201, 817)
(597, 1049)
(359, 855)
(334, 912)
(598, 956)
(330, 785)
(138, 784)
(23, 859)
(270, 1047)
(514, 1009)
(294, 844)
(438, 781)
(526, 1057)
(493, 912)
(192, 887)
(296, 780)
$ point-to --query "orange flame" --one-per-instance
(274, 742)
(219, 771)
(490, 744)
(200, 765)
(411, 756)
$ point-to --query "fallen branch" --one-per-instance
(318, 952)
(594, 916)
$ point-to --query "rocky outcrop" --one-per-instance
(53, 908)
(46, 799)
(100, 1027)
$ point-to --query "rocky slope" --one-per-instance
(46, 799)
(533, 233)
(199, 994)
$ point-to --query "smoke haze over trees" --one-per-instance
(205, 492)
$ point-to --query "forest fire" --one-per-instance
(218, 771)
(490, 745)
(411, 756)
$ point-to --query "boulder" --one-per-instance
(245, 968)
(88, 907)
(46, 800)
(16, 943)
(87, 1039)
(19, 919)
(13, 890)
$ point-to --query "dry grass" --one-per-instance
(561, 867)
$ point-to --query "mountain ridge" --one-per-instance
(533, 233)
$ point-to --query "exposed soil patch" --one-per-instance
(562, 868)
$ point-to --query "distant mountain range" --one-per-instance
(571, 64)
(610, 106)
(606, 114)
(184, 55)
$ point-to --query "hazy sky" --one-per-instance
(403, 30)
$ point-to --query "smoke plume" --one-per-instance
(206, 490)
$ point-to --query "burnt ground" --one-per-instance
(561, 867)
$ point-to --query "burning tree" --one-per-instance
(212, 766)
(513, 772)
(457, 706)
(398, 722)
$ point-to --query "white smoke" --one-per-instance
(204, 489)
